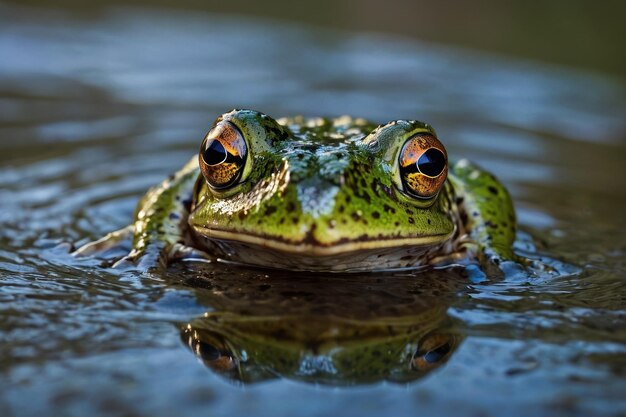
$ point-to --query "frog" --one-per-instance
(319, 194)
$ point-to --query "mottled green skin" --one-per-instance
(337, 189)
(324, 194)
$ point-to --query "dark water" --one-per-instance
(94, 110)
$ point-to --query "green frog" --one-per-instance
(319, 194)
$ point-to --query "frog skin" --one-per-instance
(320, 194)
(360, 329)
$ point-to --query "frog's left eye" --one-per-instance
(223, 155)
(423, 165)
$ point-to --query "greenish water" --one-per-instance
(94, 110)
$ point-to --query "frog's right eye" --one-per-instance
(223, 155)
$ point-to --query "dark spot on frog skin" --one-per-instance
(376, 215)
(270, 210)
(493, 190)
(428, 221)
(355, 216)
(490, 224)
(409, 212)
(411, 220)
(388, 191)
(463, 216)
(309, 148)
(374, 187)
(389, 209)
(241, 215)
(290, 207)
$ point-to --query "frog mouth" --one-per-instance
(311, 247)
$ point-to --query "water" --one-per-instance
(96, 109)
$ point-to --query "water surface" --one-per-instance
(94, 110)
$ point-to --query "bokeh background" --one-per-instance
(578, 33)
(101, 100)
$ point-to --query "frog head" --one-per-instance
(321, 194)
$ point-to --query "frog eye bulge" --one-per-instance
(423, 165)
(223, 155)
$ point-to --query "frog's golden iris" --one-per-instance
(321, 194)
(222, 155)
(423, 166)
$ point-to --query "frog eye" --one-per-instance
(423, 166)
(223, 155)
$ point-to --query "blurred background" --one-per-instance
(578, 33)
(100, 100)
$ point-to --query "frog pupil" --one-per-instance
(432, 162)
(214, 153)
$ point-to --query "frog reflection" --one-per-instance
(331, 330)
